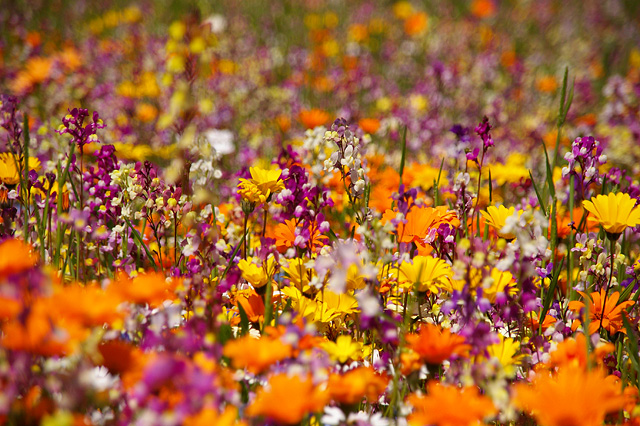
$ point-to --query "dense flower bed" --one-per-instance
(320, 213)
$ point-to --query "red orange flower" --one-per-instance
(434, 345)
(314, 118)
(287, 399)
(611, 316)
(571, 397)
(356, 384)
(256, 354)
(450, 406)
(15, 257)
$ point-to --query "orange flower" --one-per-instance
(9, 308)
(283, 122)
(287, 399)
(123, 359)
(547, 84)
(563, 221)
(252, 305)
(356, 384)
(483, 8)
(256, 354)
(151, 287)
(420, 220)
(314, 118)
(612, 315)
(573, 397)
(89, 306)
(210, 416)
(36, 71)
(285, 236)
(15, 257)
(435, 345)
(573, 352)
(535, 322)
(416, 24)
(447, 405)
(369, 125)
(41, 333)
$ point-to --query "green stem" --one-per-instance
(604, 302)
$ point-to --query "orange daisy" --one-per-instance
(256, 355)
(611, 316)
(434, 345)
(287, 399)
(573, 397)
(314, 118)
(447, 405)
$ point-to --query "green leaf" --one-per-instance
(268, 305)
(404, 152)
(137, 236)
(244, 320)
(551, 187)
(540, 200)
(548, 298)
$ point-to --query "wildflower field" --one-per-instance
(319, 212)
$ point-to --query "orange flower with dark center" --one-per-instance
(314, 117)
(447, 405)
(434, 345)
(573, 397)
(287, 399)
(611, 316)
(256, 355)
(356, 384)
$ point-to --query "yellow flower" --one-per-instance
(10, 166)
(614, 212)
(499, 282)
(298, 273)
(428, 273)
(261, 186)
(268, 181)
(331, 305)
(250, 192)
(304, 306)
(343, 349)
(497, 217)
(505, 351)
(257, 276)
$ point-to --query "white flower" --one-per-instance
(220, 140)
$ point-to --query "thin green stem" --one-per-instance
(606, 293)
